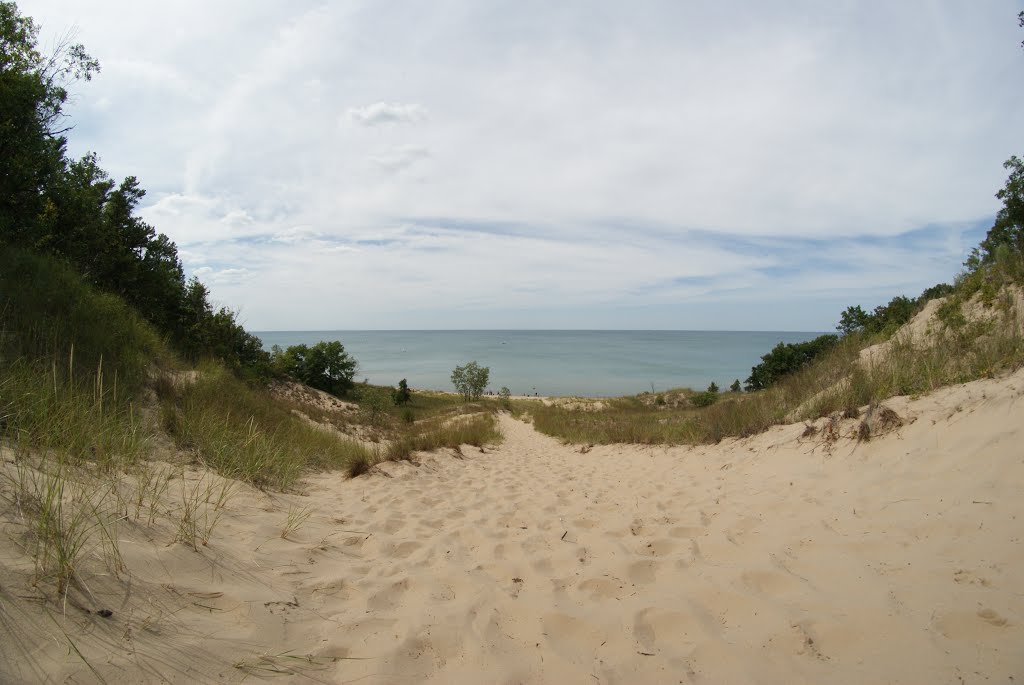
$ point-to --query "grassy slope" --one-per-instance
(978, 333)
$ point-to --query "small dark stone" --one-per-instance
(105, 613)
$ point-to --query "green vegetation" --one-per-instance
(477, 430)
(324, 366)
(402, 394)
(704, 399)
(244, 433)
(71, 210)
(470, 380)
(787, 358)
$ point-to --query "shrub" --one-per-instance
(713, 388)
(402, 394)
(735, 387)
(375, 403)
(506, 398)
(786, 358)
(704, 399)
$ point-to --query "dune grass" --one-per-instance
(836, 382)
(242, 432)
(477, 430)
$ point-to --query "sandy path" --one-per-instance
(768, 560)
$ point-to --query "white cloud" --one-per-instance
(400, 158)
(578, 150)
(296, 234)
(237, 217)
(387, 113)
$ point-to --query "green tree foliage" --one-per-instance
(736, 387)
(1008, 229)
(325, 366)
(506, 397)
(884, 319)
(785, 358)
(402, 394)
(935, 292)
(853, 319)
(470, 380)
(73, 211)
(33, 90)
(713, 388)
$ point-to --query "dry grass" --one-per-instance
(477, 430)
(242, 432)
(836, 383)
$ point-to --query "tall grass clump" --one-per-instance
(79, 416)
(477, 430)
(617, 424)
(240, 431)
(73, 362)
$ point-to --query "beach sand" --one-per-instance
(773, 559)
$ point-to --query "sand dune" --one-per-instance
(774, 559)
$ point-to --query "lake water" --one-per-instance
(587, 363)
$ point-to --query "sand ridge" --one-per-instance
(774, 559)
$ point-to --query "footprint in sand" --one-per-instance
(971, 626)
(404, 549)
(658, 548)
(600, 589)
(543, 565)
(770, 583)
(572, 638)
(390, 597)
(965, 577)
(654, 627)
(643, 572)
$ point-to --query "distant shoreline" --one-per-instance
(553, 363)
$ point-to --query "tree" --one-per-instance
(713, 388)
(74, 211)
(786, 358)
(33, 90)
(735, 387)
(852, 320)
(402, 395)
(325, 366)
(884, 319)
(470, 380)
(1008, 228)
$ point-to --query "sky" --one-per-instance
(732, 165)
